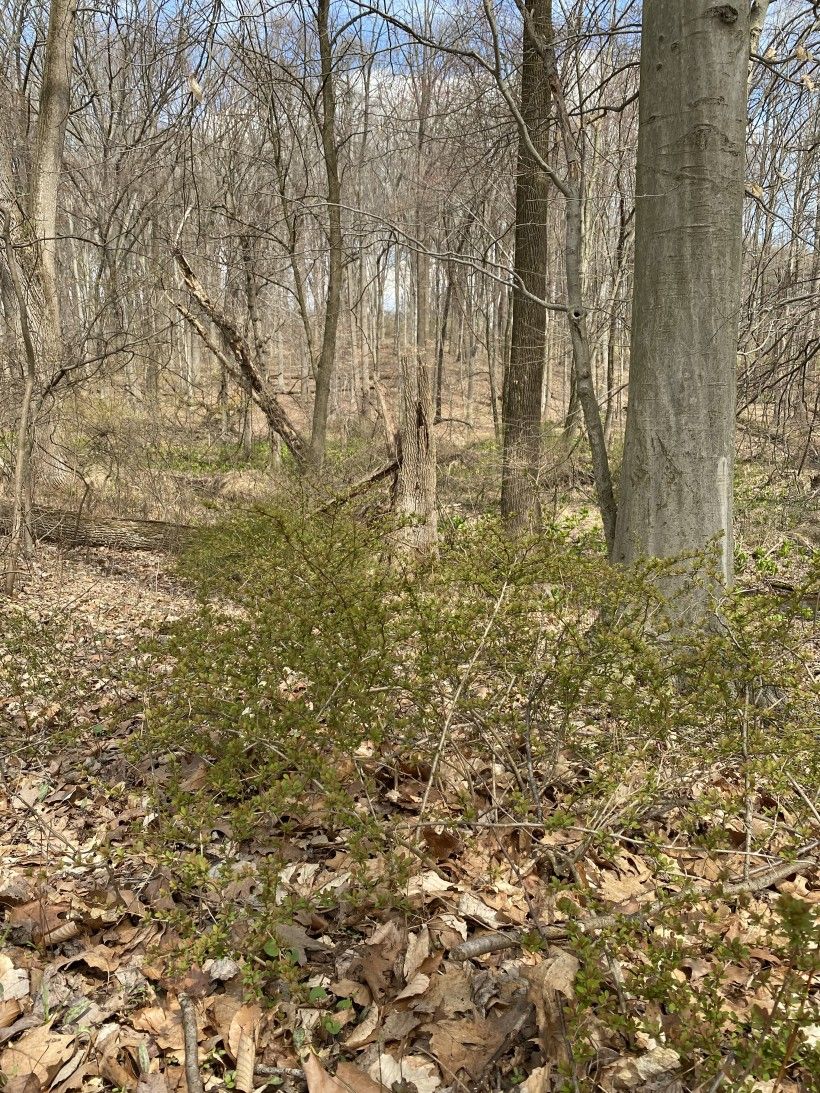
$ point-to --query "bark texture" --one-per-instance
(524, 375)
(72, 530)
(55, 101)
(38, 301)
(676, 481)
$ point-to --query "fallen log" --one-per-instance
(72, 529)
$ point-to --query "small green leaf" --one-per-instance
(271, 948)
(317, 994)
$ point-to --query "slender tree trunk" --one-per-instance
(416, 487)
(523, 379)
(327, 355)
(583, 366)
(21, 497)
(442, 338)
(42, 335)
(676, 481)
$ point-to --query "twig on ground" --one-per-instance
(193, 1077)
(493, 943)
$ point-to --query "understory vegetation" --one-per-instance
(486, 819)
(526, 704)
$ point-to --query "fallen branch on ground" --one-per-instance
(493, 943)
(74, 530)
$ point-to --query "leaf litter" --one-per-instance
(90, 982)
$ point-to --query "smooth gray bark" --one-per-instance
(676, 481)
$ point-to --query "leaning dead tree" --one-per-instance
(235, 356)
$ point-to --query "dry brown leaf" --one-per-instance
(418, 949)
(101, 958)
(40, 1051)
(245, 1022)
(9, 1012)
(549, 982)
(537, 1082)
(152, 1083)
(398, 1025)
(442, 845)
(354, 1080)
(196, 983)
(245, 1062)
(428, 884)
(36, 919)
(632, 1072)
(13, 889)
(317, 1078)
(365, 1031)
(466, 1045)
(449, 993)
(28, 1083)
(14, 982)
(379, 957)
(410, 1069)
(164, 1025)
(222, 1009)
(72, 1073)
(417, 985)
(472, 907)
(349, 988)
(620, 887)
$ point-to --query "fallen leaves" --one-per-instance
(372, 1001)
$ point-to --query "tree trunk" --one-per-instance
(583, 365)
(55, 99)
(523, 379)
(42, 335)
(327, 355)
(676, 481)
(70, 529)
(416, 485)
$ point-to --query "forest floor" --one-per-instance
(92, 983)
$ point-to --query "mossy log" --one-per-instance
(71, 529)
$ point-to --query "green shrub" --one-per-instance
(529, 682)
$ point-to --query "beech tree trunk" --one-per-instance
(676, 481)
(55, 99)
(524, 375)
